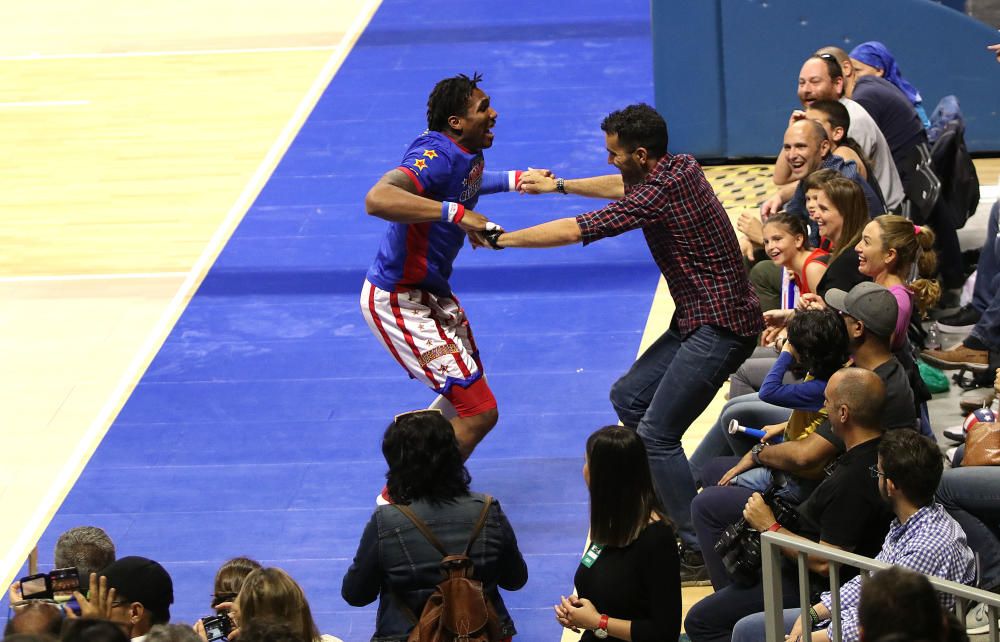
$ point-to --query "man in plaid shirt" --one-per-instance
(717, 316)
(923, 537)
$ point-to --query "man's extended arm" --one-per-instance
(536, 181)
(563, 231)
(394, 198)
(798, 455)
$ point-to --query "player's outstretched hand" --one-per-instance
(537, 181)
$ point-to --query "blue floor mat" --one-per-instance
(256, 429)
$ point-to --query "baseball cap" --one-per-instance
(869, 303)
(142, 580)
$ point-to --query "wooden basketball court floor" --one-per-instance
(133, 148)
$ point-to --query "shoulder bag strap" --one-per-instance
(479, 524)
(423, 528)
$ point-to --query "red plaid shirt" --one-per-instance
(692, 242)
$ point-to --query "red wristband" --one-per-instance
(603, 624)
(774, 528)
(452, 212)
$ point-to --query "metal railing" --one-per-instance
(771, 559)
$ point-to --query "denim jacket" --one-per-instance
(396, 562)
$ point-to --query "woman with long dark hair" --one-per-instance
(628, 582)
(396, 563)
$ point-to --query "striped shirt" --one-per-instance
(692, 241)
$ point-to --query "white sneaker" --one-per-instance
(977, 621)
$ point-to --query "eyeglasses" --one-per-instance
(415, 413)
(876, 473)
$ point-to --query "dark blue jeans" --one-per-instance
(986, 295)
(972, 496)
(665, 390)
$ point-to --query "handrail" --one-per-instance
(771, 560)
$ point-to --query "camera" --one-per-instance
(739, 545)
(217, 627)
(57, 585)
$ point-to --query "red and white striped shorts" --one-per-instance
(428, 335)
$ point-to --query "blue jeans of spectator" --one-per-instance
(972, 496)
(747, 410)
(666, 389)
(758, 479)
(713, 618)
(986, 295)
(753, 628)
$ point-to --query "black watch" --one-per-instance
(755, 453)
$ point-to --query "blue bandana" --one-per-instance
(875, 54)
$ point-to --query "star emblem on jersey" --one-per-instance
(430, 153)
(420, 164)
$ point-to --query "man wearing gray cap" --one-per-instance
(869, 311)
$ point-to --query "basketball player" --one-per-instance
(428, 200)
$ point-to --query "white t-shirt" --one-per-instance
(867, 134)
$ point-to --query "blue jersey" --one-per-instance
(420, 255)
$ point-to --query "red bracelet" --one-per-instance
(603, 624)
(774, 528)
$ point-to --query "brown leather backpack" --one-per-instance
(458, 609)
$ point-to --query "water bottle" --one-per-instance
(933, 342)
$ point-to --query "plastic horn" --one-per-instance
(735, 427)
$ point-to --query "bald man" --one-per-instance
(807, 148)
(845, 511)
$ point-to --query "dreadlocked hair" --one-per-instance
(450, 97)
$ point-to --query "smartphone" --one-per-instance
(62, 583)
(217, 627)
(35, 587)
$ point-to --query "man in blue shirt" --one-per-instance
(428, 200)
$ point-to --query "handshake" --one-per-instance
(485, 233)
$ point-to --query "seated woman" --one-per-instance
(395, 563)
(272, 594)
(817, 343)
(873, 58)
(895, 252)
(628, 582)
(229, 580)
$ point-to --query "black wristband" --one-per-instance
(492, 236)
(560, 186)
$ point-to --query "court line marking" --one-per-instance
(175, 52)
(44, 103)
(31, 531)
(29, 278)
